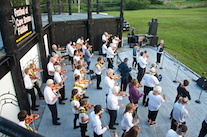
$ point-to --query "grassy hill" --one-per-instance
(184, 32)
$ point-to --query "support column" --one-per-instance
(90, 29)
(11, 50)
(121, 22)
(39, 31)
(97, 8)
(59, 6)
(69, 7)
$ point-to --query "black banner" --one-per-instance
(22, 22)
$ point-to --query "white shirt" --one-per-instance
(179, 112)
(79, 40)
(96, 124)
(150, 80)
(104, 38)
(49, 95)
(127, 120)
(112, 101)
(70, 50)
(109, 53)
(28, 82)
(22, 124)
(76, 71)
(96, 71)
(57, 77)
(104, 47)
(83, 115)
(142, 62)
(172, 133)
(84, 49)
(80, 91)
(50, 67)
(109, 84)
(115, 42)
(155, 101)
(73, 104)
(76, 58)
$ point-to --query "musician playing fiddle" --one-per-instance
(83, 116)
(88, 56)
(105, 37)
(99, 67)
(34, 78)
(57, 50)
(22, 116)
(160, 49)
(70, 51)
(77, 56)
(58, 60)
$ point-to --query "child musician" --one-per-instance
(83, 116)
(99, 67)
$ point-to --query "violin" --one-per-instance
(89, 106)
(80, 53)
(37, 69)
(122, 93)
(79, 45)
(57, 63)
(56, 87)
(63, 71)
(85, 82)
(32, 117)
(102, 62)
(138, 85)
(32, 76)
(100, 116)
(114, 77)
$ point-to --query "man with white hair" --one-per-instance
(110, 55)
(155, 101)
(112, 104)
(179, 113)
(56, 50)
(51, 68)
(60, 80)
(50, 98)
(150, 82)
(180, 132)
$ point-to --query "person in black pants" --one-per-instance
(135, 54)
(160, 49)
(203, 130)
(110, 55)
(141, 66)
(99, 67)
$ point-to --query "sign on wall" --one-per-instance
(22, 22)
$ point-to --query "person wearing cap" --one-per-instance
(110, 55)
(142, 63)
(50, 98)
(203, 130)
(125, 74)
(155, 101)
(160, 49)
(150, 82)
(180, 132)
(180, 113)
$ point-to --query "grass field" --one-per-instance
(184, 32)
(185, 2)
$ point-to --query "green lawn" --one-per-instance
(185, 2)
(184, 32)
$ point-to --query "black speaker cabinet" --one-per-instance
(131, 39)
(153, 28)
(153, 41)
(202, 82)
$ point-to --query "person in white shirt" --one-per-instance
(75, 106)
(105, 37)
(80, 87)
(83, 116)
(51, 68)
(60, 80)
(127, 118)
(110, 55)
(104, 48)
(99, 67)
(80, 40)
(112, 104)
(77, 71)
(109, 83)
(155, 101)
(50, 98)
(70, 51)
(180, 132)
(203, 130)
(150, 82)
(116, 41)
(76, 57)
(95, 121)
(180, 112)
(84, 47)
(160, 50)
(22, 116)
(142, 63)
(29, 88)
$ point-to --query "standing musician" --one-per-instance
(105, 37)
(110, 55)
(160, 49)
(116, 41)
(150, 82)
(78, 71)
(203, 130)
(133, 132)
(112, 104)
(180, 131)
(99, 67)
(104, 48)
(58, 60)
(80, 40)
(83, 116)
(77, 56)
(60, 80)
(29, 88)
(50, 99)
(57, 50)
(142, 63)
(95, 121)
(127, 118)
(51, 68)
(88, 55)
(136, 49)
(23, 116)
(34, 71)
(70, 51)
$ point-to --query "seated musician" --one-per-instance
(22, 116)
(57, 50)
(80, 87)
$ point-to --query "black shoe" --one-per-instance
(56, 123)
(34, 109)
(58, 118)
(99, 87)
(76, 127)
(62, 103)
(112, 128)
(65, 99)
(37, 105)
(116, 124)
(146, 105)
(85, 97)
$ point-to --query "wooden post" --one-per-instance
(121, 22)
(69, 7)
(90, 29)
(59, 6)
(97, 10)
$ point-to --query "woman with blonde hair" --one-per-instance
(127, 119)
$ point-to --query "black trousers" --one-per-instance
(113, 116)
(124, 82)
(146, 92)
(158, 57)
(33, 97)
(50, 77)
(134, 61)
(95, 135)
(38, 90)
(62, 93)
(140, 73)
(98, 80)
(174, 124)
(53, 109)
(110, 63)
(203, 130)
(152, 115)
(75, 119)
(123, 133)
(83, 129)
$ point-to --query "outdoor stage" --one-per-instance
(197, 111)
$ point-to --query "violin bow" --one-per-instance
(105, 125)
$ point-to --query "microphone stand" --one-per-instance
(162, 60)
(198, 101)
(175, 81)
